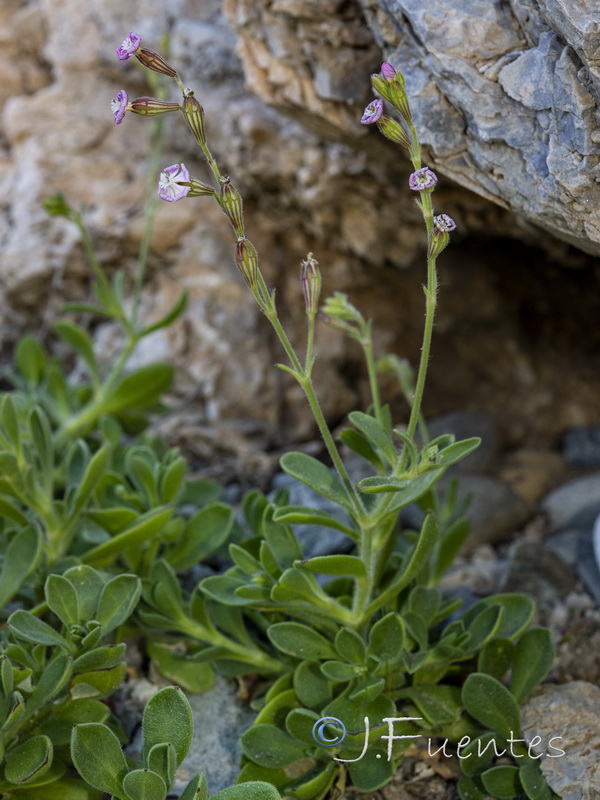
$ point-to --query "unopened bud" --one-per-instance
(155, 62)
(57, 206)
(394, 92)
(194, 115)
(246, 259)
(388, 71)
(231, 203)
(151, 106)
(310, 278)
(392, 129)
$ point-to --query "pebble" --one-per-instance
(532, 473)
(570, 711)
(540, 571)
(575, 504)
(465, 425)
(581, 446)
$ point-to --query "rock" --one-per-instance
(581, 446)
(587, 564)
(566, 719)
(495, 511)
(532, 473)
(540, 572)
(566, 544)
(464, 425)
(219, 722)
(575, 504)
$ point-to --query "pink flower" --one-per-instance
(388, 71)
(130, 45)
(422, 179)
(372, 112)
(169, 186)
(119, 106)
(444, 223)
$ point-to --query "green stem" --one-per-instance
(430, 305)
(305, 382)
(260, 660)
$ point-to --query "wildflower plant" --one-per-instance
(167, 729)
(373, 639)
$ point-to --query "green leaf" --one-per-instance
(479, 753)
(250, 790)
(163, 760)
(196, 789)
(97, 683)
(93, 473)
(470, 789)
(59, 725)
(496, 657)
(147, 527)
(10, 422)
(88, 584)
(141, 784)
(491, 704)
(54, 678)
(168, 718)
(42, 437)
(117, 601)
(26, 626)
(518, 613)
(337, 671)
(359, 444)
(386, 638)
(484, 627)
(310, 685)
(376, 484)
(350, 645)
(106, 656)
(533, 659)
(62, 599)
(140, 388)
(204, 533)
(440, 705)
(303, 515)
(97, 756)
(502, 782)
(75, 336)
(269, 746)
(190, 675)
(457, 451)
(29, 760)
(169, 317)
(21, 558)
(172, 482)
(300, 641)
(334, 565)
(534, 783)
(376, 434)
(30, 359)
(316, 475)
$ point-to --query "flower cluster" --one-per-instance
(389, 84)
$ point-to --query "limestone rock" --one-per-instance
(505, 96)
(569, 712)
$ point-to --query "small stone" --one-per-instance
(567, 717)
(532, 473)
(566, 544)
(464, 425)
(540, 572)
(581, 446)
(575, 504)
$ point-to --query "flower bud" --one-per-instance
(310, 278)
(155, 62)
(194, 115)
(246, 259)
(57, 206)
(231, 203)
(197, 188)
(394, 131)
(388, 71)
(442, 225)
(394, 92)
(151, 106)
